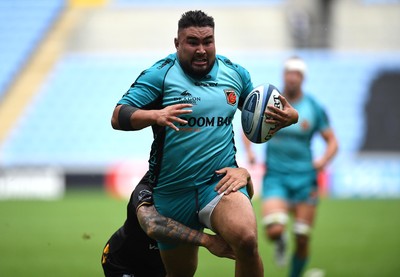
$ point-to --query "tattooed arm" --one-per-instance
(165, 229)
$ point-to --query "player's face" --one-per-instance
(196, 50)
(293, 81)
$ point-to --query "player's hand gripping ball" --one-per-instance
(253, 117)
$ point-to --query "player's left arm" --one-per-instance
(251, 156)
(166, 229)
(330, 150)
(281, 118)
(234, 179)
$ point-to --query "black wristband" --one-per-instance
(124, 117)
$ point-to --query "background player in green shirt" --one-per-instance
(290, 181)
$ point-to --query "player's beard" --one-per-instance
(200, 71)
(199, 66)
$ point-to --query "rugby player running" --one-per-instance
(189, 99)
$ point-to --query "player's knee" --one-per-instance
(275, 224)
(246, 244)
(243, 241)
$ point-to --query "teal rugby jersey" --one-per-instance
(190, 157)
(289, 150)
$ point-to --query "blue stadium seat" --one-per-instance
(23, 24)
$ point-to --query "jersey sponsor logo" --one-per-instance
(167, 61)
(228, 61)
(204, 84)
(186, 94)
(230, 96)
(187, 98)
(207, 121)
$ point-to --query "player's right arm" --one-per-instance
(142, 105)
(126, 117)
(166, 229)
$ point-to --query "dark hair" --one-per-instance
(195, 19)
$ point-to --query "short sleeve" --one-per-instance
(147, 91)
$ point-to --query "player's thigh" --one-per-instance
(305, 198)
(274, 205)
(233, 218)
(180, 261)
(305, 212)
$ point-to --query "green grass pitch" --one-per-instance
(65, 238)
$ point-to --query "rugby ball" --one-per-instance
(253, 117)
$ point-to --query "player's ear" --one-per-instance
(176, 42)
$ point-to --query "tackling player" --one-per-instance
(290, 182)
